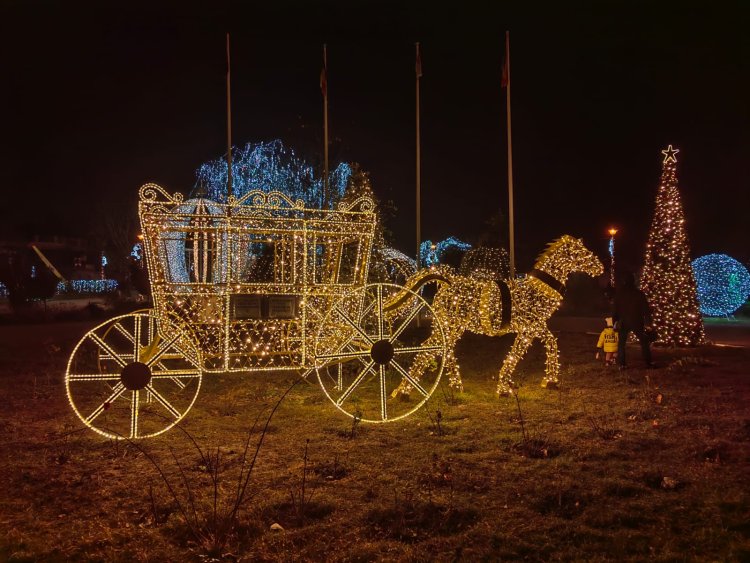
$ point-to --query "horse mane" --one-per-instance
(552, 247)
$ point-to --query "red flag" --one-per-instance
(418, 65)
(324, 74)
(504, 77)
(324, 82)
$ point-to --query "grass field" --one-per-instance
(632, 465)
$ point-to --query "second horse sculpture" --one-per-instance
(521, 306)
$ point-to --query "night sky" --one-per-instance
(98, 102)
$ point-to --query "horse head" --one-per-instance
(581, 258)
(566, 255)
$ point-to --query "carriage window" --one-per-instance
(201, 256)
(348, 266)
(323, 263)
(259, 266)
(336, 262)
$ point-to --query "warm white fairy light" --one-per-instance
(486, 263)
(463, 303)
(260, 283)
(668, 280)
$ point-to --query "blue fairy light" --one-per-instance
(432, 254)
(271, 167)
(723, 284)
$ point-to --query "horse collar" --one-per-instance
(544, 277)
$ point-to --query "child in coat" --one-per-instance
(607, 343)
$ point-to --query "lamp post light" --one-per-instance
(612, 232)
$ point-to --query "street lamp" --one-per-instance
(612, 232)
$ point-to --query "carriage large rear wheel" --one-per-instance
(375, 364)
(133, 376)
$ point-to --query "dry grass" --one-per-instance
(615, 465)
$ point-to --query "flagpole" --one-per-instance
(511, 241)
(229, 126)
(418, 69)
(325, 126)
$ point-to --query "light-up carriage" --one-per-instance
(258, 284)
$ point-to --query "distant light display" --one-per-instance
(76, 286)
(86, 286)
(723, 284)
(137, 251)
(271, 167)
(431, 254)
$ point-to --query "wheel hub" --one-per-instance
(135, 376)
(382, 352)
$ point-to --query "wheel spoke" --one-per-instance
(170, 373)
(343, 355)
(177, 382)
(118, 390)
(93, 377)
(366, 311)
(354, 325)
(406, 322)
(410, 379)
(134, 415)
(159, 397)
(383, 394)
(155, 358)
(107, 348)
(125, 333)
(137, 338)
(380, 311)
(349, 390)
(412, 349)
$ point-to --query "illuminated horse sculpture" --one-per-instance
(521, 306)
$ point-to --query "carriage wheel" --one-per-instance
(378, 365)
(133, 376)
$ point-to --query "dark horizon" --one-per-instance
(102, 102)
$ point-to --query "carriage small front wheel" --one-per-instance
(134, 376)
(379, 364)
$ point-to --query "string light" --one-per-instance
(271, 167)
(723, 284)
(521, 306)
(431, 254)
(86, 286)
(667, 279)
(486, 263)
(259, 283)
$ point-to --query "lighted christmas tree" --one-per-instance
(668, 280)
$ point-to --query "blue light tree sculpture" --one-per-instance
(270, 167)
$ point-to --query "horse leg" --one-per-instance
(552, 364)
(423, 360)
(517, 351)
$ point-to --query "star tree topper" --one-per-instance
(670, 154)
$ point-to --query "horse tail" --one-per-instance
(414, 284)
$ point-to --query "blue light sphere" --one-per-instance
(723, 284)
